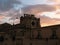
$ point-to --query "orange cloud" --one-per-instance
(46, 21)
(1, 17)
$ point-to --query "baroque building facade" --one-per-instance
(29, 32)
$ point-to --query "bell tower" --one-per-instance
(30, 21)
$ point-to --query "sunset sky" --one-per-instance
(47, 10)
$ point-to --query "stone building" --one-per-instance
(29, 32)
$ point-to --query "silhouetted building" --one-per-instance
(29, 32)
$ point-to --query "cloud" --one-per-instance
(46, 21)
(34, 9)
(10, 16)
(38, 8)
(16, 21)
(6, 5)
(53, 1)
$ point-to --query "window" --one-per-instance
(20, 33)
(54, 36)
(33, 23)
(39, 36)
(30, 43)
(13, 38)
(1, 38)
(54, 28)
(19, 41)
(6, 38)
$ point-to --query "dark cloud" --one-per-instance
(6, 5)
(38, 8)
